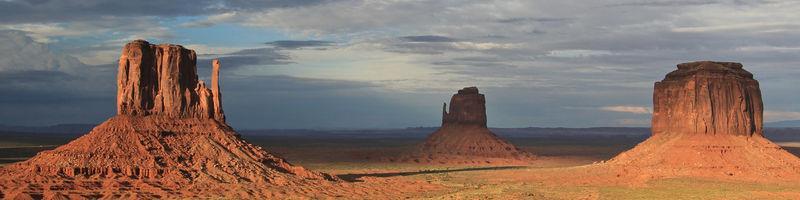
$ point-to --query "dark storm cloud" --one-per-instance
(25, 11)
(297, 44)
(295, 102)
(53, 97)
(428, 38)
(247, 57)
(282, 83)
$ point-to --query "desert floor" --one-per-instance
(357, 160)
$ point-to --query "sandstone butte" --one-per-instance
(464, 137)
(168, 140)
(707, 122)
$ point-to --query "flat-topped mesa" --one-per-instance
(706, 97)
(162, 80)
(467, 107)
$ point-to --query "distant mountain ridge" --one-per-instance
(58, 128)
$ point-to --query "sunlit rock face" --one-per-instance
(162, 79)
(708, 97)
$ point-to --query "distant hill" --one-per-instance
(790, 123)
(59, 128)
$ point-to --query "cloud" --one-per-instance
(543, 53)
(283, 83)
(21, 53)
(577, 53)
(428, 38)
(255, 57)
(628, 109)
(296, 44)
(664, 3)
(774, 116)
(27, 11)
(534, 19)
(42, 86)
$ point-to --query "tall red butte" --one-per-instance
(464, 137)
(168, 140)
(707, 122)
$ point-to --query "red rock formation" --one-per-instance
(162, 79)
(169, 140)
(464, 137)
(707, 122)
(708, 98)
(467, 107)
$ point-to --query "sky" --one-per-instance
(322, 64)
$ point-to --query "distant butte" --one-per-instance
(707, 122)
(464, 137)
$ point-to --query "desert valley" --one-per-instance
(400, 99)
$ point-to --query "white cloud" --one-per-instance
(752, 26)
(628, 109)
(43, 32)
(774, 116)
(19, 52)
(764, 48)
(577, 53)
(483, 45)
(211, 20)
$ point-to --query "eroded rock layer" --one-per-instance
(464, 136)
(707, 122)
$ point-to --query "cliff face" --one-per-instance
(466, 107)
(162, 80)
(708, 97)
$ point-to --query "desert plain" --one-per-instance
(355, 157)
